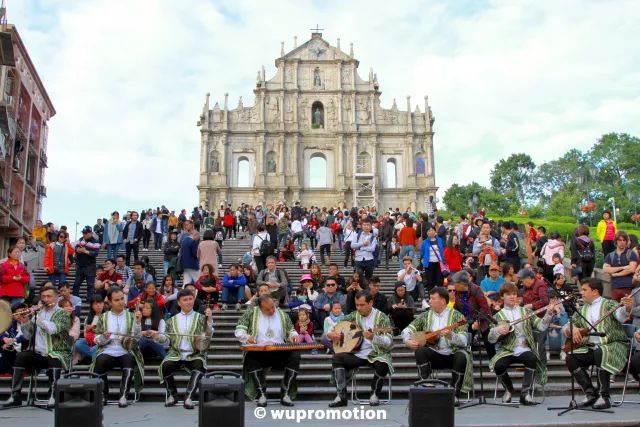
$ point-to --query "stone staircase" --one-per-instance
(315, 370)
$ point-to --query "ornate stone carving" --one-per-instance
(362, 112)
(273, 109)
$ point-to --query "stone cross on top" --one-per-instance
(317, 30)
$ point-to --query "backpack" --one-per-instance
(584, 252)
(265, 247)
(219, 236)
(522, 249)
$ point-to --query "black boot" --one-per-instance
(526, 397)
(604, 381)
(125, 386)
(584, 382)
(16, 389)
(376, 389)
(289, 377)
(505, 380)
(192, 386)
(54, 376)
(105, 389)
(456, 382)
(340, 377)
(261, 387)
(172, 391)
(424, 371)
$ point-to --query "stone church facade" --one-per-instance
(317, 134)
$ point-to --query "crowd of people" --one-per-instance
(473, 268)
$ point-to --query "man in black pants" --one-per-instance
(86, 253)
(111, 353)
(365, 245)
(132, 234)
(267, 324)
(518, 345)
(48, 346)
(182, 353)
(375, 350)
(450, 351)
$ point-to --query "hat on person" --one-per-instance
(305, 278)
(526, 273)
(399, 284)
(87, 229)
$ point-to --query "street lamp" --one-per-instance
(473, 201)
(613, 204)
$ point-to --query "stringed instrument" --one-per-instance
(431, 338)
(281, 347)
(351, 336)
(569, 345)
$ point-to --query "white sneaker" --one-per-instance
(238, 306)
(548, 355)
(563, 356)
(224, 307)
(374, 400)
(506, 397)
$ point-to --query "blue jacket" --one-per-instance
(235, 282)
(189, 253)
(424, 251)
(105, 236)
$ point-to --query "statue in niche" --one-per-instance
(288, 117)
(316, 78)
(317, 117)
(214, 163)
(347, 107)
(271, 163)
(346, 75)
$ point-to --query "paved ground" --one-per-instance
(155, 415)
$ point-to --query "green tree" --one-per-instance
(514, 174)
(459, 199)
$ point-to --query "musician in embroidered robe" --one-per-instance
(267, 324)
(110, 352)
(183, 352)
(517, 346)
(608, 353)
(49, 345)
(375, 350)
(451, 351)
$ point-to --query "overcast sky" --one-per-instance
(128, 80)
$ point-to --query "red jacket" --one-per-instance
(9, 287)
(213, 277)
(143, 297)
(453, 257)
(48, 257)
(537, 295)
(228, 220)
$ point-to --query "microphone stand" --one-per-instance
(482, 400)
(573, 405)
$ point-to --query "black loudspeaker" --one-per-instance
(221, 399)
(78, 402)
(431, 406)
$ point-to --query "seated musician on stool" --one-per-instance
(183, 352)
(111, 353)
(608, 353)
(450, 350)
(267, 324)
(374, 352)
(517, 346)
(49, 346)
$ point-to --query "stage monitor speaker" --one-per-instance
(78, 402)
(222, 400)
(431, 406)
